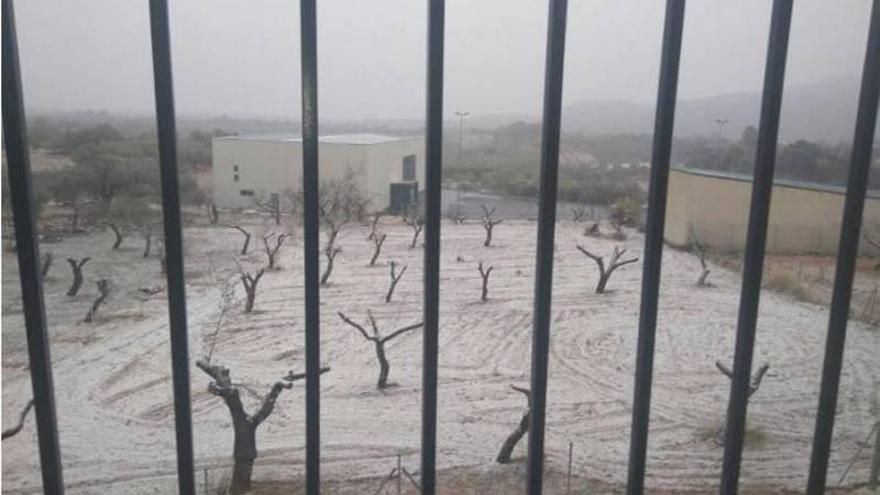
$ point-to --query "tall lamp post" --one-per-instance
(461, 115)
(720, 122)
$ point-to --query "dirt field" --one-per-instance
(115, 407)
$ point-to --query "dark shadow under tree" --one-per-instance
(605, 271)
(520, 431)
(245, 425)
(379, 342)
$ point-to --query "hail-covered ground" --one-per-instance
(113, 377)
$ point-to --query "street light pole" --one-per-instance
(721, 122)
(461, 115)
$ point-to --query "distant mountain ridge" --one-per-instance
(818, 112)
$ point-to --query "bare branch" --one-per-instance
(401, 331)
(11, 432)
(356, 326)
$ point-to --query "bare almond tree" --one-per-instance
(227, 299)
(272, 206)
(373, 233)
(378, 240)
(247, 237)
(579, 213)
(213, 214)
(592, 230)
(700, 251)
(489, 224)
(244, 425)
(754, 384)
(46, 263)
(416, 223)
(520, 431)
(330, 252)
(11, 432)
(272, 251)
(379, 341)
(147, 233)
(485, 275)
(395, 277)
(250, 287)
(76, 266)
(119, 231)
(103, 292)
(605, 271)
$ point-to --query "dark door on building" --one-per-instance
(403, 194)
(409, 167)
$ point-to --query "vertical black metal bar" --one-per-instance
(762, 187)
(167, 134)
(433, 176)
(847, 253)
(550, 129)
(311, 229)
(662, 148)
(24, 215)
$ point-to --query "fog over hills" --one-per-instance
(819, 112)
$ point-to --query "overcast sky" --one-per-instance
(241, 58)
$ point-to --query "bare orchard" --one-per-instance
(113, 377)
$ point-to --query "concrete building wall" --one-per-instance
(715, 208)
(270, 165)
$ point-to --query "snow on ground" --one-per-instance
(113, 378)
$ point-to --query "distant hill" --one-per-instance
(819, 112)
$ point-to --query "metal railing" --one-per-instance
(14, 133)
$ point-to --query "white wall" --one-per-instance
(270, 166)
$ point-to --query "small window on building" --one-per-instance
(246, 192)
(409, 167)
(235, 177)
(235, 168)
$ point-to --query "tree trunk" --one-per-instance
(603, 279)
(702, 280)
(213, 215)
(251, 296)
(148, 244)
(77, 277)
(391, 289)
(118, 234)
(328, 269)
(485, 295)
(74, 220)
(244, 453)
(512, 439)
(384, 367)
(47, 262)
(103, 290)
(244, 247)
(488, 240)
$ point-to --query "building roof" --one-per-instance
(796, 184)
(351, 139)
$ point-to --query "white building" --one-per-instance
(249, 168)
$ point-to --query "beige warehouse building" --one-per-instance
(714, 207)
(388, 169)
